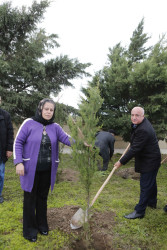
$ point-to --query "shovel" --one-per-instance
(81, 216)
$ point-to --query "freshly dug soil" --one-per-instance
(101, 225)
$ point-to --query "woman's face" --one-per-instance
(48, 110)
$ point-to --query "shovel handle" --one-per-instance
(108, 178)
(126, 149)
(164, 160)
(106, 181)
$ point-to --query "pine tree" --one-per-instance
(149, 87)
(86, 157)
(134, 77)
(114, 84)
(25, 76)
(136, 50)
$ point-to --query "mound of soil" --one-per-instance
(128, 173)
(101, 225)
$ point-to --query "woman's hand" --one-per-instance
(20, 169)
(87, 145)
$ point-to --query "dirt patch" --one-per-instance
(128, 173)
(101, 224)
(68, 175)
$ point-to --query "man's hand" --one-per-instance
(117, 164)
(20, 169)
(8, 154)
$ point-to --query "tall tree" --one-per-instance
(25, 77)
(114, 89)
(149, 87)
(136, 50)
(134, 76)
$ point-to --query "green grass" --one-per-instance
(120, 196)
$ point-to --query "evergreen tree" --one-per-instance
(114, 85)
(25, 77)
(134, 77)
(149, 87)
(62, 113)
(136, 50)
(87, 122)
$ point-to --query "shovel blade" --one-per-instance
(79, 218)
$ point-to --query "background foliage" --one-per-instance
(134, 76)
(25, 75)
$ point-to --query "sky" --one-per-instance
(88, 28)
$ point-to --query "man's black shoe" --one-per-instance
(44, 232)
(134, 215)
(33, 239)
(165, 209)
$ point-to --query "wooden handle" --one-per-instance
(108, 178)
(106, 181)
(164, 160)
(126, 149)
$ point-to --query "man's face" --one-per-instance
(137, 115)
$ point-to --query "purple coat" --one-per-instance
(27, 146)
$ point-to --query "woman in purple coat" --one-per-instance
(36, 159)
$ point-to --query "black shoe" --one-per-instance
(104, 169)
(44, 232)
(33, 239)
(134, 215)
(165, 209)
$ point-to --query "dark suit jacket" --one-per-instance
(144, 147)
(6, 134)
(105, 142)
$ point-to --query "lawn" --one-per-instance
(118, 198)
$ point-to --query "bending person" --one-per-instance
(105, 142)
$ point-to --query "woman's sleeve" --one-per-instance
(63, 137)
(19, 141)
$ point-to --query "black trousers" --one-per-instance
(35, 205)
(106, 158)
(148, 191)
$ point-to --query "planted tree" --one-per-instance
(83, 129)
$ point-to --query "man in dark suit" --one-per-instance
(105, 142)
(144, 147)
